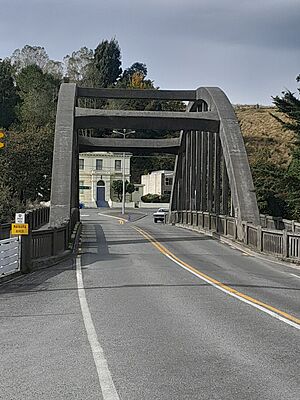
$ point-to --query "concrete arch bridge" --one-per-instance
(212, 173)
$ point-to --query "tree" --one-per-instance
(25, 164)
(118, 188)
(38, 97)
(29, 55)
(77, 64)
(289, 105)
(105, 68)
(35, 55)
(8, 95)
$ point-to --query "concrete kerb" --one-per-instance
(241, 247)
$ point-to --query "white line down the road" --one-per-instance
(273, 314)
(297, 276)
(107, 386)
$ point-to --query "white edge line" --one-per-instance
(297, 276)
(107, 386)
(273, 314)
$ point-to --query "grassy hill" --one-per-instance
(263, 135)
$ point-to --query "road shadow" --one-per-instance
(94, 245)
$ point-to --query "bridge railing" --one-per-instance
(282, 243)
(45, 246)
(36, 218)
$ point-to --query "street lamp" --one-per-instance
(124, 133)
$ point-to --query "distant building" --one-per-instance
(97, 171)
(158, 182)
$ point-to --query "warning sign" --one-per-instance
(19, 229)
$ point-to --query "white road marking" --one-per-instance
(107, 386)
(273, 314)
(84, 215)
(297, 276)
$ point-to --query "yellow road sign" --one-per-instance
(2, 135)
(19, 229)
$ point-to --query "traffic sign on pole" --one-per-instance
(20, 218)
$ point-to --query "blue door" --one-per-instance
(101, 194)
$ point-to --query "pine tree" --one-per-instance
(8, 95)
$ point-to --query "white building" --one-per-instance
(97, 171)
(158, 182)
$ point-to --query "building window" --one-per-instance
(169, 181)
(99, 164)
(167, 192)
(81, 183)
(118, 165)
(81, 163)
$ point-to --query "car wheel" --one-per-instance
(155, 220)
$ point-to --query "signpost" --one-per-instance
(19, 227)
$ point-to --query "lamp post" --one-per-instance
(124, 133)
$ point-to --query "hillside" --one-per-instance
(263, 135)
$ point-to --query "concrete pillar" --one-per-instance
(198, 170)
(183, 174)
(210, 171)
(225, 188)
(217, 171)
(204, 171)
(193, 170)
(188, 171)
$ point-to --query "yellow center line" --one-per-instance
(213, 281)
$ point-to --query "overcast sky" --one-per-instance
(249, 48)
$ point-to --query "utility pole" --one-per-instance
(124, 133)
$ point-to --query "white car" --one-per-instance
(160, 214)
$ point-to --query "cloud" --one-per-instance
(183, 43)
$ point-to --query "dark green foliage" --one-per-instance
(269, 181)
(287, 182)
(26, 164)
(289, 104)
(105, 68)
(8, 95)
(155, 198)
(144, 165)
(117, 186)
(38, 93)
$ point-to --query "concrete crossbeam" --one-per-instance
(131, 145)
(149, 94)
(120, 119)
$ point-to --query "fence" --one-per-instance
(42, 245)
(283, 243)
(36, 218)
(9, 256)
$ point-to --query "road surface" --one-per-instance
(155, 312)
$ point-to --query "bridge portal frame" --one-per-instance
(198, 158)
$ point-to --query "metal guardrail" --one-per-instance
(282, 243)
(9, 256)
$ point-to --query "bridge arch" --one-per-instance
(211, 158)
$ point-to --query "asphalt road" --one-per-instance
(137, 317)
